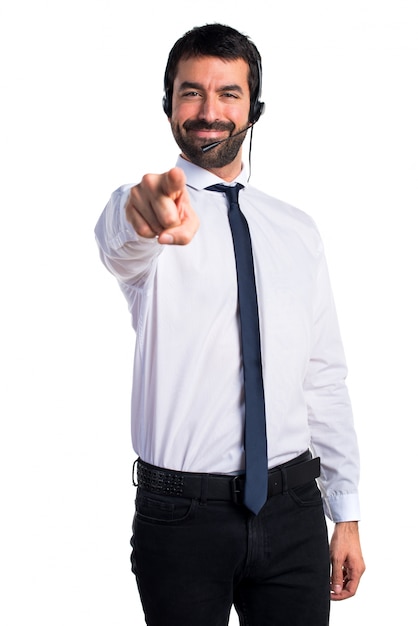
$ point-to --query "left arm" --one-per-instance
(330, 417)
(334, 440)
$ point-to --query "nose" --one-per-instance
(210, 108)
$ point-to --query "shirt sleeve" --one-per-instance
(333, 436)
(129, 257)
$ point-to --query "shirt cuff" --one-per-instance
(342, 507)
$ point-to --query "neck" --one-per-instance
(228, 173)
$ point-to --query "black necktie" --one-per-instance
(255, 441)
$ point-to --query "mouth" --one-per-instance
(208, 135)
(205, 132)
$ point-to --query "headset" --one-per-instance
(256, 107)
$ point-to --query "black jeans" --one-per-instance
(193, 560)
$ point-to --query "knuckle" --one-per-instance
(143, 230)
(147, 180)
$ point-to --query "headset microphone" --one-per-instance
(216, 143)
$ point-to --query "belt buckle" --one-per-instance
(237, 494)
(135, 471)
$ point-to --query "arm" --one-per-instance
(334, 440)
(331, 424)
(139, 218)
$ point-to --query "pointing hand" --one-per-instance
(159, 206)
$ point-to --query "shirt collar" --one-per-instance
(199, 178)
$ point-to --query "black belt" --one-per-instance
(162, 481)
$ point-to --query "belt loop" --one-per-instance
(134, 481)
(204, 484)
(284, 480)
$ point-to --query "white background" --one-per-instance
(81, 114)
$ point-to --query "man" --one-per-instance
(200, 543)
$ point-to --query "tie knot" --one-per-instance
(230, 192)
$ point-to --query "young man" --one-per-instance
(203, 539)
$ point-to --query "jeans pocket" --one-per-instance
(307, 494)
(163, 509)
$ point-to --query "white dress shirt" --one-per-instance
(187, 397)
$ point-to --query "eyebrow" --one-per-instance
(189, 85)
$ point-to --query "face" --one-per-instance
(211, 101)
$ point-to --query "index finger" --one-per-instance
(173, 183)
(159, 199)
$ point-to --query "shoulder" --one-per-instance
(277, 209)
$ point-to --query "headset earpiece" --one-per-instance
(257, 111)
(257, 107)
(167, 103)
